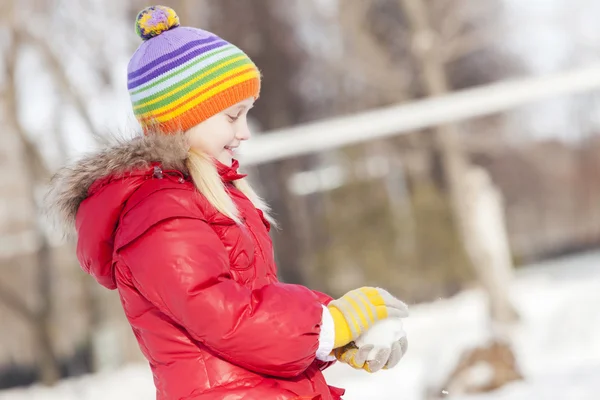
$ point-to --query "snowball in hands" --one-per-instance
(383, 333)
(382, 336)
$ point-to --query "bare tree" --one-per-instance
(477, 204)
(36, 174)
(427, 45)
(40, 317)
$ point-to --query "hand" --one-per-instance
(362, 358)
(358, 310)
(382, 346)
(388, 341)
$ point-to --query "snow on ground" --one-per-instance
(557, 346)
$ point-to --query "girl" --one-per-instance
(168, 221)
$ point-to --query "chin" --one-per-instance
(228, 161)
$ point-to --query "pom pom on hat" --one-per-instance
(154, 20)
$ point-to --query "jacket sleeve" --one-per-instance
(324, 361)
(182, 267)
(323, 298)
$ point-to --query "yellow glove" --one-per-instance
(356, 311)
(352, 355)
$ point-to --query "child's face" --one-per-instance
(222, 133)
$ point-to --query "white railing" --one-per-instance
(404, 118)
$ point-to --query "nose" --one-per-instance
(243, 132)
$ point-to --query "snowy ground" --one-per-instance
(557, 345)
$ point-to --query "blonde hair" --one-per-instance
(206, 178)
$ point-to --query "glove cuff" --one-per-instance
(343, 334)
(326, 337)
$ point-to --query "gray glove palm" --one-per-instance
(381, 347)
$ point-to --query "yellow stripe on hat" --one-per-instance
(216, 90)
(185, 100)
(179, 88)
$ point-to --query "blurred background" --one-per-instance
(463, 177)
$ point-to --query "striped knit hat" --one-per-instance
(181, 76)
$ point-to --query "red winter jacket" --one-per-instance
(200, 292)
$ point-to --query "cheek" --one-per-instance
(209, 145)
(198, 142)
(212, 136)
(224, 135)
(202, 138)
(194, 141)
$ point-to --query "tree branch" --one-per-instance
(63, 80)
(15, 303)
(380, 70)
(451, 18)
(30, 148)
(458, 15)
(467, 44)
(35, 169)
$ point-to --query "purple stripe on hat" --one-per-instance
(168, 67)
(171, 55)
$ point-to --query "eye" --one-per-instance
(233, 118)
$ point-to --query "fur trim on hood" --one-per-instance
(71, 185)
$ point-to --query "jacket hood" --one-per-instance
(88, 196)
(71, 185)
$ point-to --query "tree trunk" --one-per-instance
(34, 171)
(456, 168)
